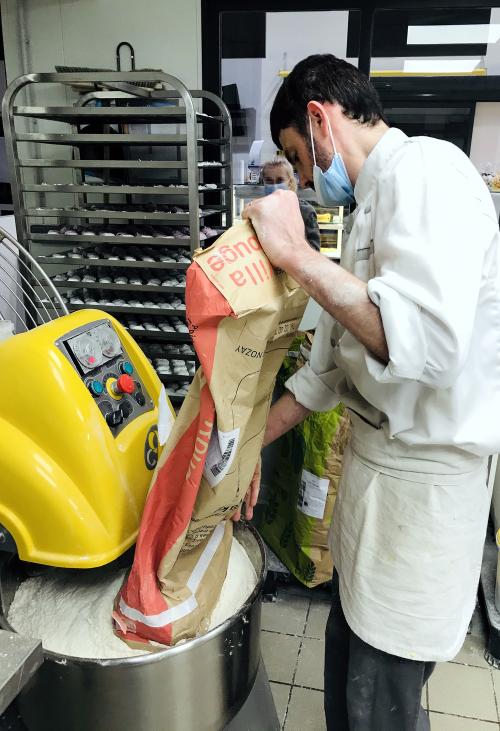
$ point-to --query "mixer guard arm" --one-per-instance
(40, 302)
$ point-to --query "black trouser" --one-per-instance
(367, 689)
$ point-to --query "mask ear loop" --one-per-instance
(312, 141)
(331, 136)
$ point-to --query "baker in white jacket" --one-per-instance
(409, 341)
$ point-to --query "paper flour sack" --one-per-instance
(242, 316)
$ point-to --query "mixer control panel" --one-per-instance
(100, 359)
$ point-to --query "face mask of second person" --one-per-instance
(333, 186)
(271, 187)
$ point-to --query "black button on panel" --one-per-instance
(126, 409)
(105, 407)
(114, 418)
(139, 397)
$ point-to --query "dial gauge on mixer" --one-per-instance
(108, 340)
(96, 346)
(87, 350)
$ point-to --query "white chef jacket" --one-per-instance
(411, 514)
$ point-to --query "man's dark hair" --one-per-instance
(323, 78)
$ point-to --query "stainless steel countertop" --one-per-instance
(20, 658)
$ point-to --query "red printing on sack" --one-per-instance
(171, 500)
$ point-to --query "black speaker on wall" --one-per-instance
(243, 35)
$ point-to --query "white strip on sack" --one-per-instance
(165, 418)
(220, 455)
(162, 619)
(313, 492)
(188, 605)
(205, 558)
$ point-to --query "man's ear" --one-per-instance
(319, 120)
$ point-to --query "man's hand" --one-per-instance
(278, 224)
(252, 495)
(284, 414)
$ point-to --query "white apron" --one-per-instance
(407, 540)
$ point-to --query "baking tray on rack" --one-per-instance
(118, 263)
(39, 234)
(131, 310)
(104, 213)
(154, 289)
(125, 113)
(98, 188)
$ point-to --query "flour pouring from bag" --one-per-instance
(242, 316)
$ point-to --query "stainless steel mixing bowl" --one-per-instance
(199, 686)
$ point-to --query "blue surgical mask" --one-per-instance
(271, 187)
(333, 186)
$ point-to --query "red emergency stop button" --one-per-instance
(124, 384)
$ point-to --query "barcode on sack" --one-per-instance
(313, 491)
(216, 469)
(220, 455)
(289, 327)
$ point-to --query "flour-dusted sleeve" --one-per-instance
(429, 255)
(313, 385)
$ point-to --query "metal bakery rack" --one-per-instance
(114, 189)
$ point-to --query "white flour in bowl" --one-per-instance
(241, 580)
(70, 611)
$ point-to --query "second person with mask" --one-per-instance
(278, 174)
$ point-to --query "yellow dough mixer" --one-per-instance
(78, 430)
(78, 440)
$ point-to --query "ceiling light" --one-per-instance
(457, 34)
(444, 66)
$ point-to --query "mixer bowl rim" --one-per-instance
(158, 655)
